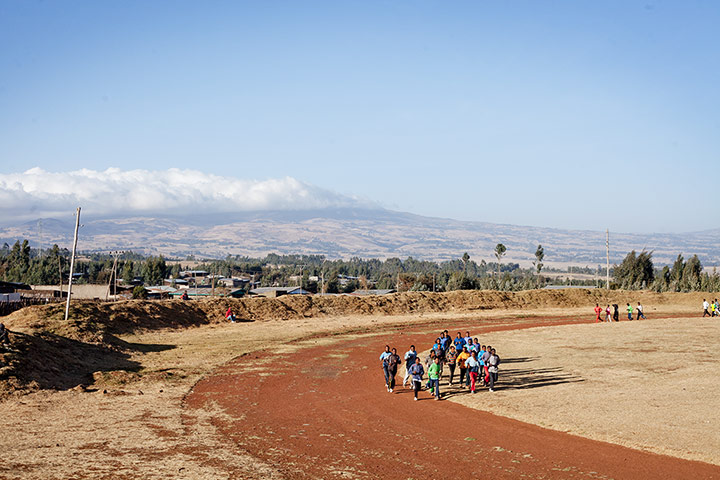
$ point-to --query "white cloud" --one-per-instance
(36, 192)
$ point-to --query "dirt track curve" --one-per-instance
(324, 413)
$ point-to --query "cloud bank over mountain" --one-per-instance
(39, 193)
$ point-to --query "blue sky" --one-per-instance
(569, 114)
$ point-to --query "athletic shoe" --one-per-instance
(416, 399)
(492, 390)
(391, 390)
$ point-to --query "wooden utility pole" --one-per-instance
(607, 258)
(72, 262)
(60, 272)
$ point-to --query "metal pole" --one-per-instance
(607, 266)
(72, 263)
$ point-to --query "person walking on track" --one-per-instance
(462, 357)
(473, 366)
(494, 362)
(384, 361)
(417, 371)
(451, 358)
(410, 357)
(434, 374)
(393, 361)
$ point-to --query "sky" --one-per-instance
(566, 114)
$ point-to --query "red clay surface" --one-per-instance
(321, 416)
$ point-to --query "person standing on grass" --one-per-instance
(473, 366)
(616, 312)
(393, 361)
(462, 357)
(640, 312)
(629, 310)
(706, 305)
(434, 375)
(607, 314)
(383, 360)
(417, 371)
(450, 359)
(598, 310)
(494, 362)
(410, 357)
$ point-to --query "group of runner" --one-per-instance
(615, 315)
(711, 309)
(476, 364)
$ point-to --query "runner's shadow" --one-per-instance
(535, 378)
(519, 359)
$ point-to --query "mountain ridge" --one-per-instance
(355, 232)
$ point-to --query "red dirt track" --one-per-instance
(322, 416)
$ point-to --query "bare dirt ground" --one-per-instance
(141, 422)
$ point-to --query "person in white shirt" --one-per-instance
(640, 313)
(706, 305)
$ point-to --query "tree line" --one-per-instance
(315, 273)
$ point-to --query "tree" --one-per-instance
(500, 250)
(539, 255)
(691, 274)
(635, 271)
(465, 260)
(139, 292)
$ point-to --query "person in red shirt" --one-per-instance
(229, 315)
(598, 311)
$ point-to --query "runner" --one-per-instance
(640, 312)
(393, 360)
(706, 305)
(459, 342)
(445, 341)
(451, 358)
(462, 357)
(384, 362)
(494, 362)
(417, 371)
(429, 360)
(481, 359)
(713, 309)
(467, 338)
(486, 365)
(598, 310)
(607, 314)
(474, 368)
(616, 312)
(410, 357)
(434, 375)
(629, 310)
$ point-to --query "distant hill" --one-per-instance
(345, 233)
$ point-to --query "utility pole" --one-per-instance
(113, 276)
(60, 272)
(607, 258)
(72, 262)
